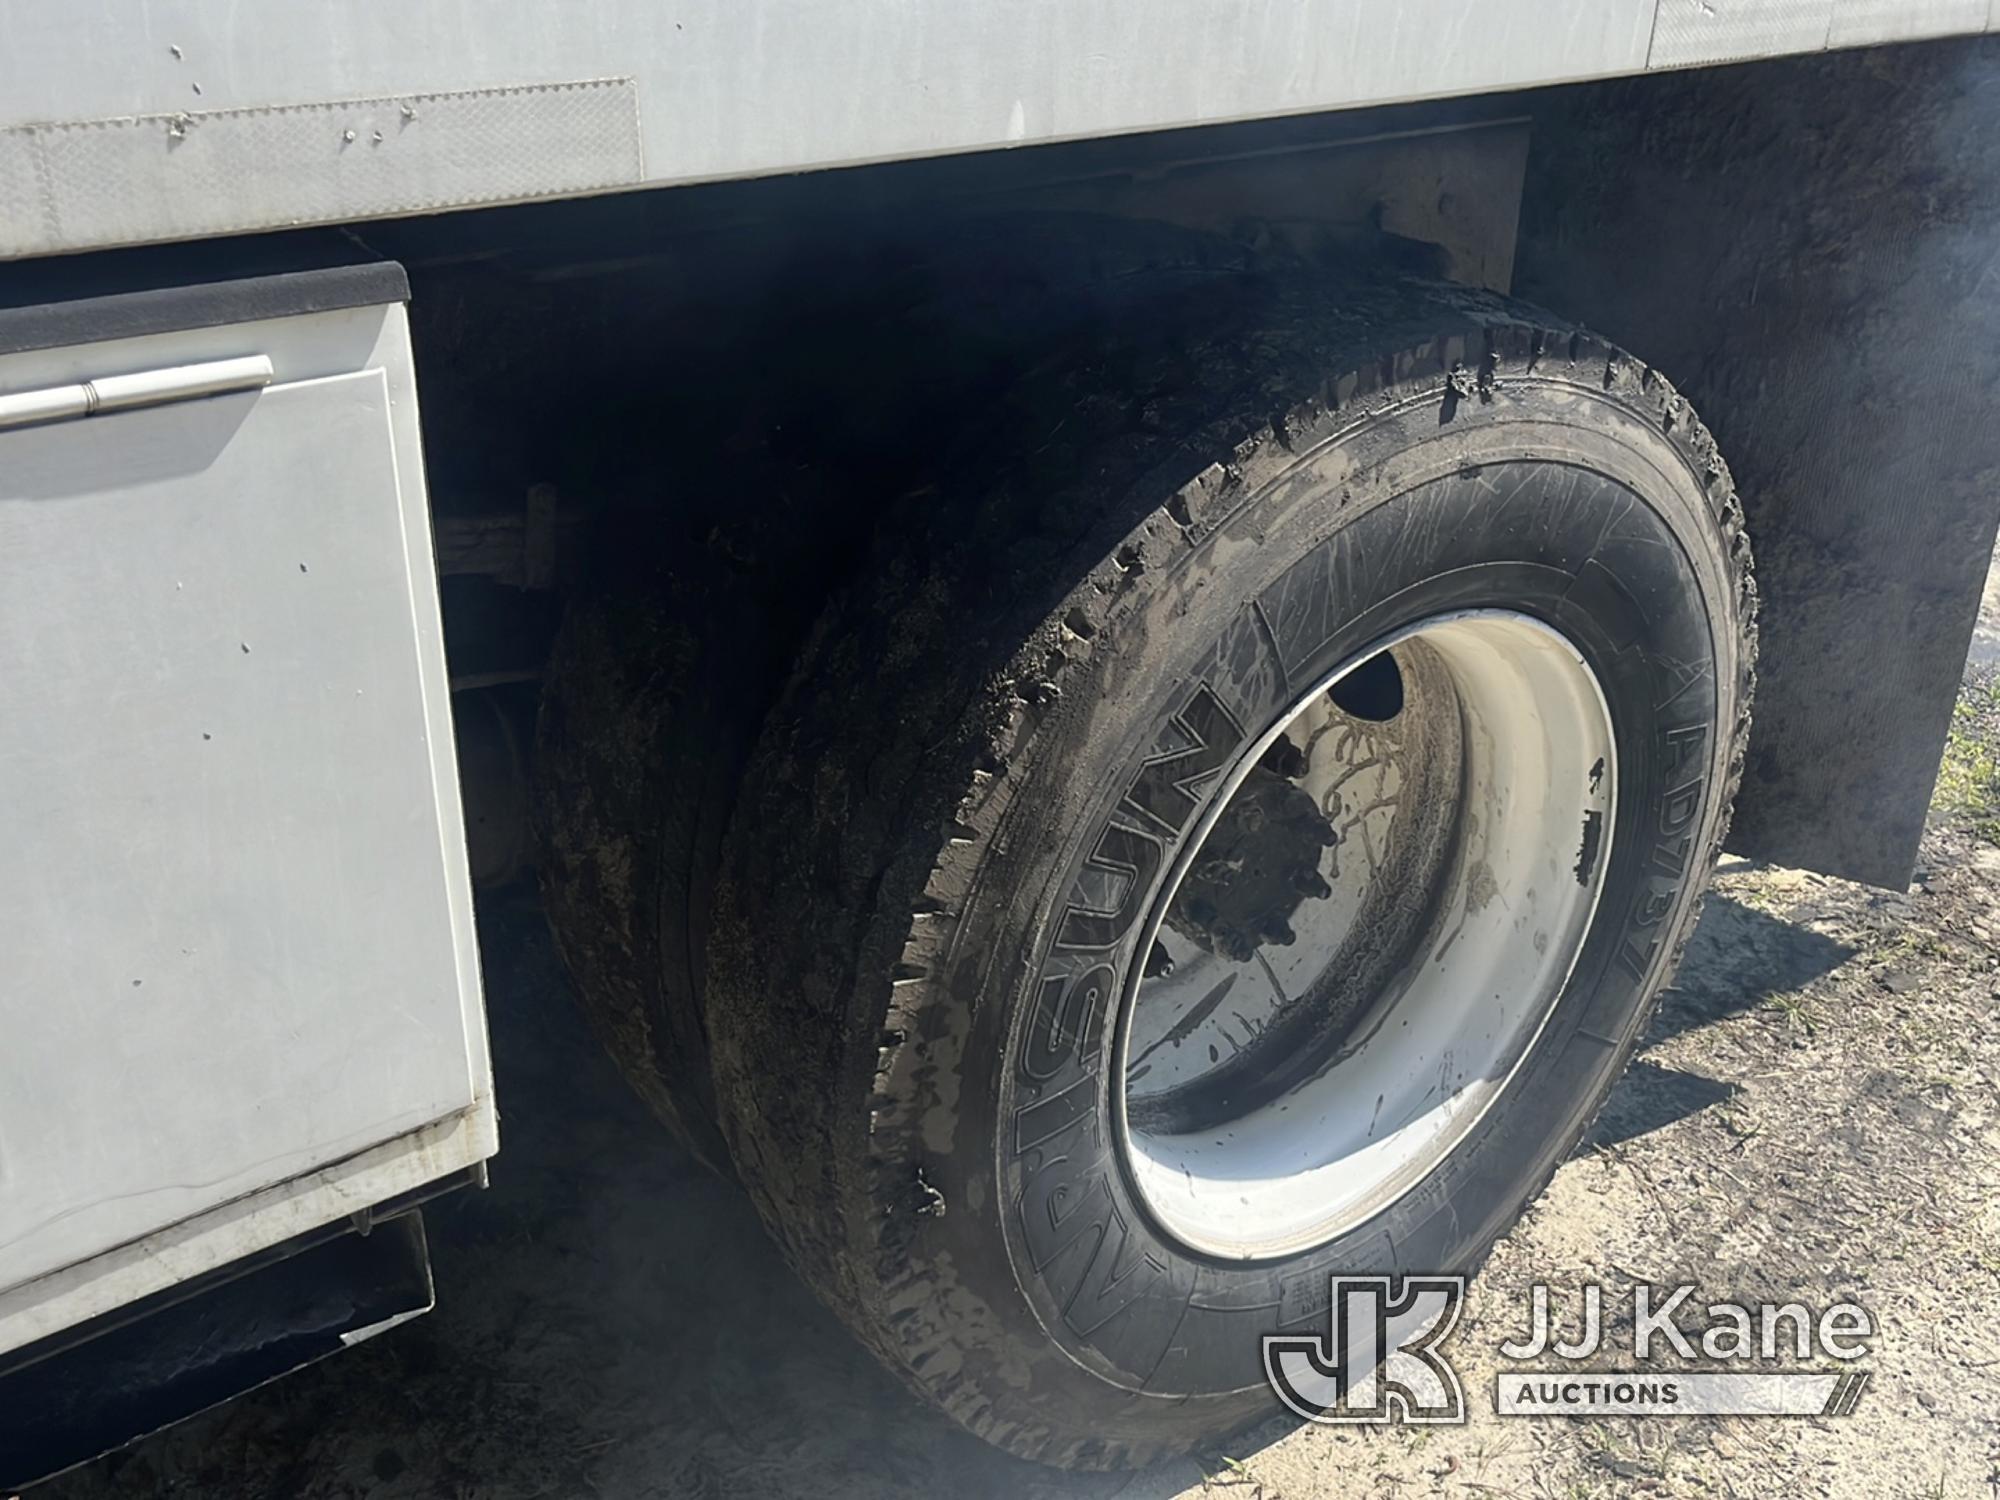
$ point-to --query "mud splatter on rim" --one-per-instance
(1378, 909)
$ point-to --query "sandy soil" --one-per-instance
(1816, 1116)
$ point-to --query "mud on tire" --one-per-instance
(914, 1078)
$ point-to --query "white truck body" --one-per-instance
(126, 123)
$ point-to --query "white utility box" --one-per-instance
(239, 992)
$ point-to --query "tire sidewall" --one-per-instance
(1551, 498)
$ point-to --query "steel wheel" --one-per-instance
(1367, 932)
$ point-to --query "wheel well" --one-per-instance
(705, 378)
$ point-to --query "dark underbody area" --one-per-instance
(721, 391)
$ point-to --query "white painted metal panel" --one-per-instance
(235, 928)
(96, 96)
(732, 88)
(1859, 23)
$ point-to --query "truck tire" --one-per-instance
(635, 704)
(671, 652)
(1233, 835)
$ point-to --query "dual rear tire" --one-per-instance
(1230, 834)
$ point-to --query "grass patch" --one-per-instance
(1968, 782)
(1795, 1010)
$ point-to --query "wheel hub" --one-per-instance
(1378, 909)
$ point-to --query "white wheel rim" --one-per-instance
(1507, 757)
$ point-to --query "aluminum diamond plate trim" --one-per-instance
(1688, 33)
(181, 176)
(21, 221)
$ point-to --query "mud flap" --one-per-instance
(1803, 247)
(92, 1389)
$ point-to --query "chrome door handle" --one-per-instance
(146, 388)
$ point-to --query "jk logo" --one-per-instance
(1379, 1359)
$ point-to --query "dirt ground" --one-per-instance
(1816, 1116)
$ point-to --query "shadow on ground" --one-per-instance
(612, 1322)
(1738, 958)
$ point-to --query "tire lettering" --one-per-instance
(1125, 851)
(1066, 1197)
(1064, 1028)
(1114, 1277)
(1090, 1259)
(1683, 745)
(1682, 761)
(1162, 790)
(1653, 906)
(1635, 959)
(1678, 808)
(1053, 1113)
(1671, 858)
